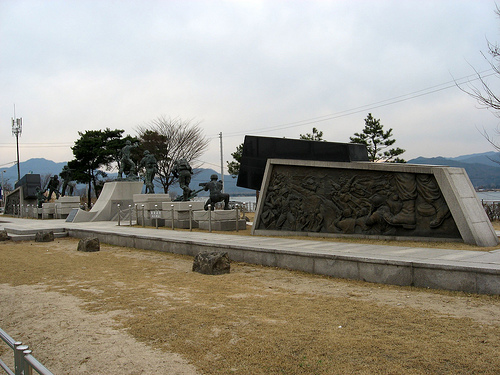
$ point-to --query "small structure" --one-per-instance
(220, 220)
(24, 193)
(257, 150)
(106, 208)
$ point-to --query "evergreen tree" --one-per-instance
(378, 141)
(94, 149)
(317, 135)
(233, 167)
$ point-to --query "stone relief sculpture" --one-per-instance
(150, 165)
(127, 165)
(183, 171)
(53, 187)
(216, 194)
(355, 202)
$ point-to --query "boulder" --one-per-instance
(89, 244)
(212, 263)
(43, 236)
(4, 236)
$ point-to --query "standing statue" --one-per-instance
(40, 197)
(67, 176)
(183, 171)
(149, 163)
(127, 165)
(53, 187)
(216, 194)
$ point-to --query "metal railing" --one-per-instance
(24, 362)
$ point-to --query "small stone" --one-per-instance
(43, 236)
(4, 236)
(89, 244)
(212, 263)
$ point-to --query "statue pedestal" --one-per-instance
(162, 213)
(223, 220)
(106, 208)
(64, 205)
(48, 210)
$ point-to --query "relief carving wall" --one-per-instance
(366, 202)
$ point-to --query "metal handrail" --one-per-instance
(24, 362)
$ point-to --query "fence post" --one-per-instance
(210, 218)
(130, 213)
(143, 223)
(172, 207)
(190, 218)
(156, 215)
(237, 217)
(119, 214)
(28, 370)
(18, 357)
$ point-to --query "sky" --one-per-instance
(266, 68)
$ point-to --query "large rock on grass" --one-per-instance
(4, 236)
(44, 236)
(89, 244)
(211, 263)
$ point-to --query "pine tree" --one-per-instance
(317, 135)
(378, 141)
(233, 167)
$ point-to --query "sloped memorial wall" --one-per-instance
(380, 200)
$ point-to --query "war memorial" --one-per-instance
(307, 188)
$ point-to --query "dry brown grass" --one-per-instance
(259, 320)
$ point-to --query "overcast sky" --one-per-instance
(270, 68)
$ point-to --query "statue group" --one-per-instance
(68, 186)
(127, 171)
(183, 171)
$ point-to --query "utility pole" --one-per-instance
(221, 162)
(17, 129)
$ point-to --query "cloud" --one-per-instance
(254, 67)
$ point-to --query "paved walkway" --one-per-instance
(469, 271)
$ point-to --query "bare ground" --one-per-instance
(131, 311)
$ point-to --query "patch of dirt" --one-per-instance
(132, 311)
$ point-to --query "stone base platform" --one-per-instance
(64, 205)
(220, 220)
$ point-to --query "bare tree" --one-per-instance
(169, 140)
(484, 93)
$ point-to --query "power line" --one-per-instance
(371, 106)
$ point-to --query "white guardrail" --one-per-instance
(24, 362)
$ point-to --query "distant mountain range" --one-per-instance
(483, 170)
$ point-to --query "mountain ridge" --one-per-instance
(483, 171)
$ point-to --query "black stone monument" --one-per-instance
(256, 151)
